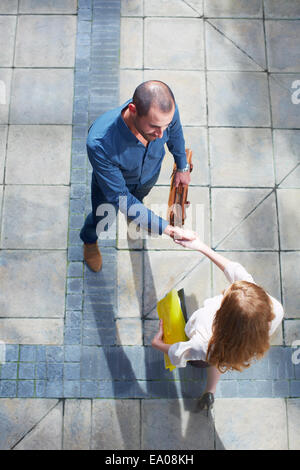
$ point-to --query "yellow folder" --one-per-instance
(170, 311)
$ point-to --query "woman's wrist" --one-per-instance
(201, 247)
(161, 346)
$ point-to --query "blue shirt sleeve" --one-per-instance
(113, 185)
(176, 143)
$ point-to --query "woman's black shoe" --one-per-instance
(206, 401)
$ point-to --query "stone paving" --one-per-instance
(79, 371)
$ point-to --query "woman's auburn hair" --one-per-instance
(241, 327)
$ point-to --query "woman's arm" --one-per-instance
(197, 244)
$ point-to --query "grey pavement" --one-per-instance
(76, 367)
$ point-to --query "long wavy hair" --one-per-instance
(240, 328)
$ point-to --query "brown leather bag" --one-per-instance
(178, 197)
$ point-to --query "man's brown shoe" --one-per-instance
(92, 256)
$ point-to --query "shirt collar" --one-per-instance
(122, 126)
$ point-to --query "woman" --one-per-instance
(231, 330)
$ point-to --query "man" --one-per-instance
(126, 147)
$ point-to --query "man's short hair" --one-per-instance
(153, 93)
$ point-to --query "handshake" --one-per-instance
(185, 238)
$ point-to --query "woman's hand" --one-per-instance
(158, 342)
(190, 240)
(158, 338)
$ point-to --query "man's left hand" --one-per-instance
(182, 177)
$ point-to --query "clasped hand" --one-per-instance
(186, 238)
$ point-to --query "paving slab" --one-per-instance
(39, 279)
(47, 434)
(130, 284)
(19, 416)
(9, 7)
(246, 424)
(238, 99)
(284, 92)
(173, 424)
(282, 9)
(31, 331)
(241, 157)
(5, 85)
(244, 237)
(293, 411)
(175, 8)
(286, 153)
(7, 34)
(239, 8)
(77, 424)
(44, 41)
(234, 44)
(3, 136)
(49, 86)
(290, 293)
(115, 425)
(129, 332)
(48, 6)
(38, 155)
(283, 53)
(1, 197)
(36, 208)
(289, 223)
(131, 43)
(132, 8)
(177, 35)
(242, 208)
(291, 331)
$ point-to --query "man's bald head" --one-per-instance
(153, 93)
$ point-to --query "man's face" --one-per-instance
(153, 125)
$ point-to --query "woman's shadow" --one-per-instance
(138, 372)
(185, 426)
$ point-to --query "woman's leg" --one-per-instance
(213, 375)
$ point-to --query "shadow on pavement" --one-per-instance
(168, 400)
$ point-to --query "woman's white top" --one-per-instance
(199, 326)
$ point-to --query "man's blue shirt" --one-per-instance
(119, 159)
